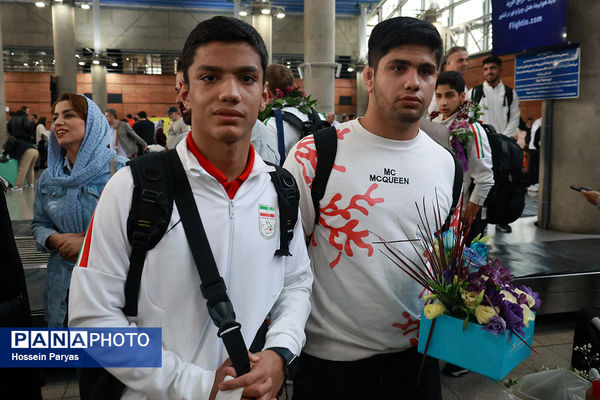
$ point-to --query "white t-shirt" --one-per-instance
(363, 304)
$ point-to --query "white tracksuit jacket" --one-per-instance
(257, 281)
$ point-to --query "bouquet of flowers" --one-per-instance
(460, 129)
(463, 283)
(293, 97)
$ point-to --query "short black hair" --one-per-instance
(142, 114)
(112, 112)
(129, 116)
(399, 31)
(222, 29)
(179, 67)
(492, 60)
(451, 51)
(453, 79)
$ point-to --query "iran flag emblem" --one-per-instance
(267, 221)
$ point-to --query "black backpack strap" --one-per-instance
(288, 197)
(457, 186)
(151, 208)
(326, 145)
(508, 98)
(212, 285)
(477, 94)
(293, 121)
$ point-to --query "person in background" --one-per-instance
(178, 129)
(123, 138)
(26, 154)
(456, 59)
(130, 120)
(533, 173)
(26, 382)
(159, 134)
(79, 165)
(592, 196)
(41, 138)
(20, 126)
(331, 119)
(144, 128)
(500, 105)
(186, 113)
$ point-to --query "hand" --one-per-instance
(67, 244)
(264, 380)
(591, 196)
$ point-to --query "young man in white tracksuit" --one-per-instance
(478, 177)
(224, 60)
(363, 328)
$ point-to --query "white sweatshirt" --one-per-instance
(363, 304)
(479, 157)
(257, 281)
(497, 109)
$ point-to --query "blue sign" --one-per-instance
(80, 347)
(548, 75)
(527, 24)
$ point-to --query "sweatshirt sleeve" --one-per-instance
(134, 136)
(302, 162)
(292, 308)
(480, 165)
(97, 297)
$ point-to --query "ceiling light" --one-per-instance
(25, 65)
(243, 13)
(280, 13)
(77, 55)
(265, 10)
(96, 62)
(114, 64)
(350, 69)
(81, 63)
(85, 5)
(40, 4)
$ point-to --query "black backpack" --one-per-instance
(506, 199)
(508, 97)
(308, 127)
(326, 146)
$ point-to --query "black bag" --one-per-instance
(506, 200)
(508, 97)
(309, 127)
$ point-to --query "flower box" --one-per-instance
(474, 349)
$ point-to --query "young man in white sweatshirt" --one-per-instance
(363, 328)
(224, 61)
(478, 177)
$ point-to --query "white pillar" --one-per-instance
(98, 71)
(319, 52)
(362, 98)
(63, 33)
(2, 93)
(264, 25)
(236, 8)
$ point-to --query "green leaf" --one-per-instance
(465, 323)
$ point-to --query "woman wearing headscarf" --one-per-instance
(79, 165)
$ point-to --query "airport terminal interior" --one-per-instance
(124, 55)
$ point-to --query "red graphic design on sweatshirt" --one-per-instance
(306, 151)
(411, 325)
(350, 235)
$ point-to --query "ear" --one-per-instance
(368, 78)
(184, 93)
(462, 96)
(265, 98)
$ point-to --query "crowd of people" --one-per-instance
(342, 321)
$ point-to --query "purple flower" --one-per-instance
(476, 283)
(513, 315)
(496, 325)
(535, 295)
(460, 153)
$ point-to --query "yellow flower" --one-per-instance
(528, 315)
(508, 296)
(484, 313)
(434, 310)
(530, 299)
(469, 298)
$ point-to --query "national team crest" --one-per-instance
(267, 221)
